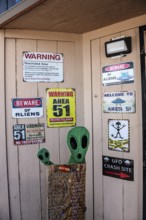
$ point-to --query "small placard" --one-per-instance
(27, 108)
(61, 107)
(29, 134)
(118, 135)
(118, 74)
(42, 67)
(119, 102)
(118, 168)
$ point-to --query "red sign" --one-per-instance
(119, 66)
(27, 103)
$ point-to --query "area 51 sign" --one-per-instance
(119, 102)
(61, 107)
(29, 134)
(27, 108)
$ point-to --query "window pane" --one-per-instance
(6, 4)
(11, 3)
(3, 6)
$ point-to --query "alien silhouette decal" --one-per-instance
(118, 135)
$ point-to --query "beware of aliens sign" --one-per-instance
(118, 74)
(27, 108)
(119, 102)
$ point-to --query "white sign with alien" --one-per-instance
(120, 73)
(118, 135)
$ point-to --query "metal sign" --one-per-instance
(61, 107)
(42, 67)
(119, 102)
(29, 134)
(27, 108)
(118, 168)
(118, 74)
(118, 135)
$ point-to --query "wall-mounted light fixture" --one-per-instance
(118, 47)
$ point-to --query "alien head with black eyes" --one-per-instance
(78, 142)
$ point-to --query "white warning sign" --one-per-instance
(42, 67)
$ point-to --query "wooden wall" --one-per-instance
(24, 178)
(113, 198)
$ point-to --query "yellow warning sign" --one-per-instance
(61, 107)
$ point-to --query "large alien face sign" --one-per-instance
(78, 141)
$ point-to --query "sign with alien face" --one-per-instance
(119, 102)
(61, 107)
(120, 73)
(118, 135)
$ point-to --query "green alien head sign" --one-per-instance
(78, 142)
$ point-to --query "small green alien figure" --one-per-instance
(44, 156)
(78, 142)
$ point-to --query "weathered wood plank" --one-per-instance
(52, 142)
(12, 151)
(27, 155)
(4, 203)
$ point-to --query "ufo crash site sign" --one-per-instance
(118, 168)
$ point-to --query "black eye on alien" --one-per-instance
(84, 141)
(73, 143)
(47, 154)
(40, 157)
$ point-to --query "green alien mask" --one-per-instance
(78, 141)
(44, 156)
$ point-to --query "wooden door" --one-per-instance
(116, 198)
(27, 177)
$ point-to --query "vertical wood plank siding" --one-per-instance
(27, 177)
(23, 179)
(113, 198)
(4, 202)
